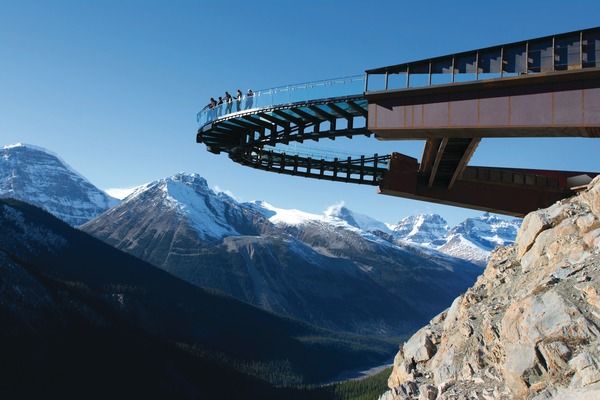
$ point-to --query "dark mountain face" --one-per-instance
(34, 175)
(422, 281)
(77, 308)
(325, 271)
(61, 340)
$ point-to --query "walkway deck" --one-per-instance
(547, 86)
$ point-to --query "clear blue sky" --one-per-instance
(114, 86)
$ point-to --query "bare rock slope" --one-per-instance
(528, 328)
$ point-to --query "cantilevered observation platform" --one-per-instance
(544, 87)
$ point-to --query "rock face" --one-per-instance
(528, 328)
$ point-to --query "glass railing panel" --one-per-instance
(376, 82)
(338, 87)
(397, 81)
(418, 80)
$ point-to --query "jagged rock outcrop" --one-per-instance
(528, 328)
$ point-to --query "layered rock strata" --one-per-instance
(528, 328)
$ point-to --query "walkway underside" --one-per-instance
(443, 175)
(250, 139)
(501, 190)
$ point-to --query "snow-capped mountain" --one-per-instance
(360, 221)
(212, 215)
(428, 230)
(474, 238)
(325, 269)
(37, 176)
(336, 216)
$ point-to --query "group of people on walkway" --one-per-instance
(215, 107)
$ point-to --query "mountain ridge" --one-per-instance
(38, 176)
(317, 268)
(169, 308)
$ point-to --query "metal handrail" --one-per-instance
(280, 95)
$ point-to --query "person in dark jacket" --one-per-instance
(228, 103)
(220, 106)
(212, 109)
(238, 100)
(249, 99)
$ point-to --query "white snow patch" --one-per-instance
(51, 153)
(218, 189)
(205, 213)
(458, 246)
(121, 193)
(361, 221)
(288, 216)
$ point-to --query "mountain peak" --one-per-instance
(354, 219)
(191, 179)
(185, 200)
(424, 229)
(340, 211)
(21, 145)
(38, 176)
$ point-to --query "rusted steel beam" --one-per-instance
(438, 158)
(559, 104)
(501, 190)
(429, 153)
(464, 160)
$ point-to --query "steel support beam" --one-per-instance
(464, 160)
(557, 104)
(438, 158)
(500, 190)
(429, 153)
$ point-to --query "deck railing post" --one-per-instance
(335, 167)
(362, 169)
(348, 168)
(375, 159)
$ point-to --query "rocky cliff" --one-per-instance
(528, 328)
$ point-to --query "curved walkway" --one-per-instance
(269, 120)
(256, 130)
